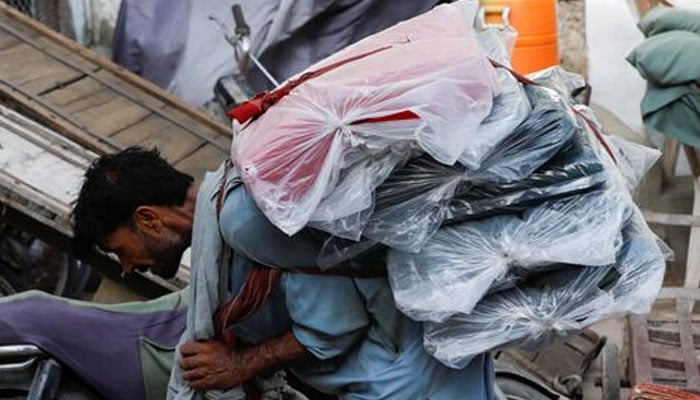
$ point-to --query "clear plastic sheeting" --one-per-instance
(510, 108)
(562, 81)
(412, 203)
(633, 160)
(577, 169)
(498, 43)
(345, 212)
(548, 306)
(547, 130)
(408, 85)
(457, 266)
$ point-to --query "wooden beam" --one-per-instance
(671, 219)
(108, 65)
(640, 353)
(669, 159)
(692, 265)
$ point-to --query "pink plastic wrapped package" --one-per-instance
(429, 89)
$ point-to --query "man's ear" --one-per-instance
(148, 220)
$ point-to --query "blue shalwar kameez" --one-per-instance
(365, 349)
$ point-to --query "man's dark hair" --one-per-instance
(115, 186)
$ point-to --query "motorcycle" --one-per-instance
(27, 262)
(27, 372)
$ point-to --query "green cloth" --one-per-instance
(156, 363)
(669, 58)
(664, 19)
(673, 111)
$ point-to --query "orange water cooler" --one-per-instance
(536, 22)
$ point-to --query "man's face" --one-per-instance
(138, 251)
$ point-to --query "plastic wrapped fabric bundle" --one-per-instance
(459, 263)
(510, 108)
(562, 81)
(345, 212)
(404, 84)
(548, 129)
(575, 170)
(551, 305)
(412, 202)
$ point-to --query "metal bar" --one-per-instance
(46, 381)
(19, 350)
(20, 366)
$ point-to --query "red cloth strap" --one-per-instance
(264, 100)
(256, 289)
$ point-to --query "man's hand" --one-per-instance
(212, 365)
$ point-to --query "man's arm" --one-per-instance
(213, 365)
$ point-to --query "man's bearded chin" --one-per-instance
(167, 261)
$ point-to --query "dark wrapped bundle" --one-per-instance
(547, 306)
(458, 265)
(577, 169)
(412, 203)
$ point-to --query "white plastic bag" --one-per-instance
(458, 265)
(420, 88)
(552, 305)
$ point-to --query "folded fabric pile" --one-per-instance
(505, 213)
(666, 59)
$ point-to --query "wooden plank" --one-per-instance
(692, 266)
(653, 217)
(173, 142)
(7, 40)
(669, 292)
(220, 139)
(692, 156)
(207, 158)
(55, 118)
(26, 34)
(669, 159)
(32, 70)
(95, 106)
(18, 18)
(611, 372)
(640, 354)
(683, 307)
(670, 338)
(166, 111)
(123, 88)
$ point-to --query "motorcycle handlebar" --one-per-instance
(242, 28)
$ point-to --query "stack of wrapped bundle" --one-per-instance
(505, 213)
